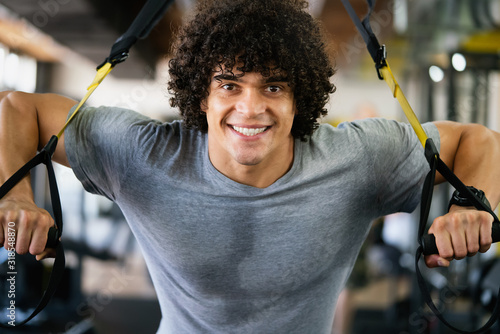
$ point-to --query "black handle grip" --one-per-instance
(429, 241)
(53, 238)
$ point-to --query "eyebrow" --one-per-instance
(232, 77)
(226, 76)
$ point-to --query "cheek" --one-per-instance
(291, 116)
(214, 118)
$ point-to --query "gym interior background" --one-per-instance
(445, 55)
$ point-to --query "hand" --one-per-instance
(24, 227)
(462, 232)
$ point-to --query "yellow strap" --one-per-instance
(386, 73)
(102, 72)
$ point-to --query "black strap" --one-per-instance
(148, 17)
(427, 243)
(44, 157)
(55, 278)
(377, 52)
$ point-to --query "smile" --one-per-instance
(249, 131)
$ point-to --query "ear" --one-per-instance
(204, 106)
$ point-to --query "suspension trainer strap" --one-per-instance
(102, 72)
(147, 18)
(142, 25)
(365, 30)
(379, 56)
(427, 244)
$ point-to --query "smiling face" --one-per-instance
(249, 125)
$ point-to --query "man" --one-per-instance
(249, 214)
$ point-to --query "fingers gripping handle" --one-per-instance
(467, 196)
(429, 241)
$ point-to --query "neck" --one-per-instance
(260, 175)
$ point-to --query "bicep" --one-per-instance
(451, 137)
(52, 112)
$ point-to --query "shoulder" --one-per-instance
(372, 134)
(387, 130)
(106, 119)
(362, 130)
(109, 127)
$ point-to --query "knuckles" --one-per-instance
(458, 231)
(460, 253)
(472, 249)
(24, 218)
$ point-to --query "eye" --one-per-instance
(274, 89)
(228, 86)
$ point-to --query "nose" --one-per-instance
(251, 103)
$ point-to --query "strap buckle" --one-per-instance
(381, 60)
(116, 59)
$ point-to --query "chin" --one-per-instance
(247, 160)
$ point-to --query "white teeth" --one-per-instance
(249, 131)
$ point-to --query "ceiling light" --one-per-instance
(458, 62)
(436, 73)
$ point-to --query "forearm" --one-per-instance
(473, 153)
(27, 121)
(19, 139)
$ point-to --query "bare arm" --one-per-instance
(27, 121)
(473, 152)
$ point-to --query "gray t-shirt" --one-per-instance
(230, 258)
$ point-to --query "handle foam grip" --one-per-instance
(53, 238)
(429, 241)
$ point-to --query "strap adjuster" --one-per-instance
(381, 60)
(121, 57)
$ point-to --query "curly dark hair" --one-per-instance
(265, 36)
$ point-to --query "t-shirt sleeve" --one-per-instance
(398, 162)
(99, 144)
